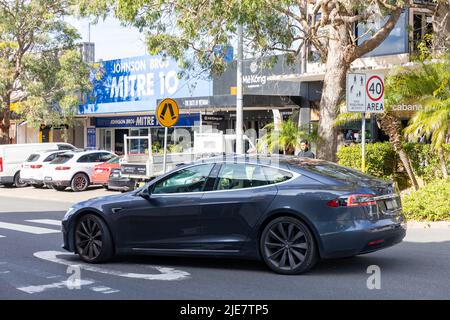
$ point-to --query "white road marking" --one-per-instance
(105, 290)
(28, 229)
(47, 221)
(2, 236)
(164, 273)
(56, 285)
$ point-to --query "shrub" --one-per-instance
(424, 160)
(381, 160)
(430, 203)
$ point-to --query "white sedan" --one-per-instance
(74, 169)
(32, 171)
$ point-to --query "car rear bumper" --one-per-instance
(57, 183)
(359, 237)
(121, 184)
(6, 180)
(32, 181)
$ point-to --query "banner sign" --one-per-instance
(185, 120)
(135, 84)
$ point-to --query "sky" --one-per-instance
(111, 40)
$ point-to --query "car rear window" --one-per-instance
(332, 170)
(33, 158)
(113, 160)
(62, 158)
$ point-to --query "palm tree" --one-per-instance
(428, 85)
(285, 138)
(392, 126)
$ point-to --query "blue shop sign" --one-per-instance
(185, 120)
(135, 84)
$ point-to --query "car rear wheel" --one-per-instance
(18, 182)
(79, 182)
(287, 246)
(93, 240)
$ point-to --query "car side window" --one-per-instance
(51, 157)
(84, 159)
(64, 147)
(241, 176)
(105, 156)
(274, 175)
(190, 179)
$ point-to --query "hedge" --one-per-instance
(383, 162)
(430, 203)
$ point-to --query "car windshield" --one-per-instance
(62, 158)
(33, 158)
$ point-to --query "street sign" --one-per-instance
(375, 93)
(168, 112)
(365, 92)
(356, 96)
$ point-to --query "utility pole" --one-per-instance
(239, 94)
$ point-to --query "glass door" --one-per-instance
(106, 139)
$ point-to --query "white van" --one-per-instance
(13, 155)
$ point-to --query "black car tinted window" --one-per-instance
(51, 157)
(190, 179)
(274, 175)
(62, 158)
(32, 158)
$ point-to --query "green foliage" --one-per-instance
(381, 160)
(430, 203)
(286, 138)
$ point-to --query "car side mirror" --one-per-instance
(145, 193)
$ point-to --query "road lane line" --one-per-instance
(164, 273)
(27, 229)
(46, 221)
(2, 236)
(104, 290)
(56, 285)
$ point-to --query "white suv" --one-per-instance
(32, 170)
(74, 169)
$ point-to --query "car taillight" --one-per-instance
(353, 200)
(62, 168)
(36, 166)
(1, 164)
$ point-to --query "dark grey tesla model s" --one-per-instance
(288, 211)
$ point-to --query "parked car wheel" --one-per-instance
(287, 246)
(18, 182)
(59, 188)
(79, 182)
(93, 240)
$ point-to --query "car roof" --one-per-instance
(81, 152)
(276, 160)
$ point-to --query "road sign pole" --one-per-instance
(165, 150)
(363, 142)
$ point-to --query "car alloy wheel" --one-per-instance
(288, 247)
(80, 182)
(92, 239)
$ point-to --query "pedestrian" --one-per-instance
(304, 150)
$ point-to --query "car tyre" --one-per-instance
(18, 182)
(80, 182)
(93, 241)
(287, 246)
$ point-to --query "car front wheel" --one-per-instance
(287, 246)
(93, 240)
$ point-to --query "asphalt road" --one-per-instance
(33, 266)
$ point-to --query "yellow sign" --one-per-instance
(168, 113)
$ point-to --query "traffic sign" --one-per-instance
(365, 92)
(375, 93)
(168, 112)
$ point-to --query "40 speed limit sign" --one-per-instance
(365, 92)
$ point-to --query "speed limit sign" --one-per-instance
(375, 93)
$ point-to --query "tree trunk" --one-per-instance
(441, 28)
(332, 94)
(5, 123)
(443, 163)
(392, 127)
